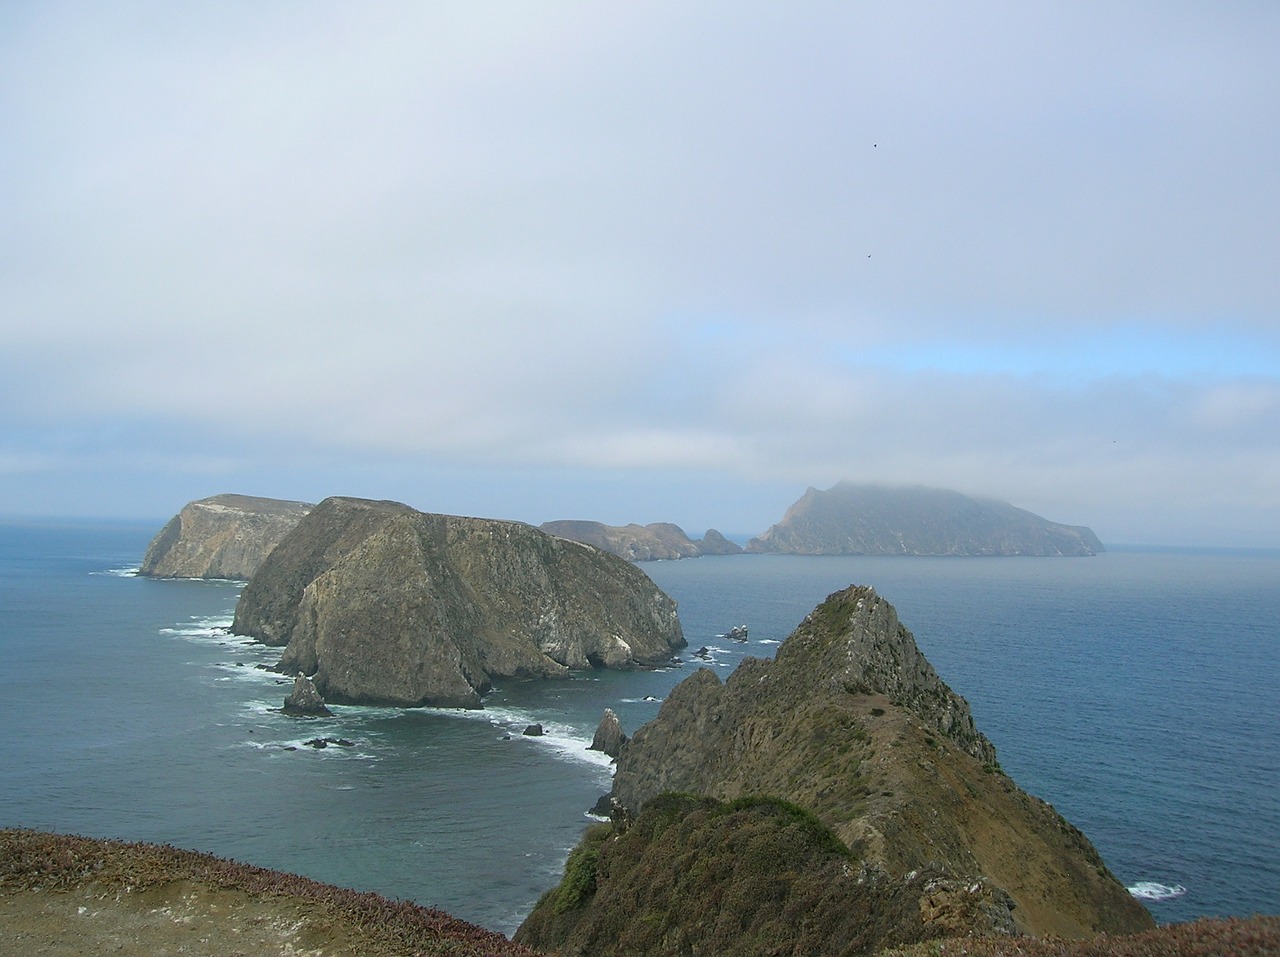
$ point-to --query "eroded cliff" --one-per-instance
(224, 536)
(383, 604)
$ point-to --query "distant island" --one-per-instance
(223, 536)
(660, 541)
(853, 519)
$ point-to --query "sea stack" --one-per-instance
(304, 700)
(608, 737)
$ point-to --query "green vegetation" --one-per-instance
(579, 883)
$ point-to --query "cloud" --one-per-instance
(1026, 250)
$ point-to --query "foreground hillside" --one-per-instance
(841, 788)
(63, 895)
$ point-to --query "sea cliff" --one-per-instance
(383, 604)
(224, 536)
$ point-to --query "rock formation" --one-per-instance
(851, 725)
(225, 536)
(387, 605)
(304, 700)
(850, 519)
(660, 541)
(608, 737)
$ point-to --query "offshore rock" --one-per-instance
(851, 725)
(850, 519)
(387, 605)
(304, 700)
(608, 737)
(225, 536)
(660, 541)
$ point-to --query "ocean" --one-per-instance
(1135, 691)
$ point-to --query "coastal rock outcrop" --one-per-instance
(609, 737)
(384, 604)
(304, 700)
(659, 541)
(850, 519)
(224, 536)
(851, 725)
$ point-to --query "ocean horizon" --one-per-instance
(1133, 690)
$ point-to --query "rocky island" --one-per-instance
(851, 519)
(383, 604)
(224, 536)
(659, 541)
(837, 800)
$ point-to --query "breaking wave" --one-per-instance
(1151, 891)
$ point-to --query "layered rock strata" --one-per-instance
(225, 536)
(383, 604)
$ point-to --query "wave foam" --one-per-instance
(565, 740)
(1151, 891)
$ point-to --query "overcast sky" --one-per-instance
(644, 261)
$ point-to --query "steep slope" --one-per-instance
(659, 541)
(851, 723)
(387, 605)
(225, 536)
(850, 519)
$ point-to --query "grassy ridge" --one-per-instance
(39, 861)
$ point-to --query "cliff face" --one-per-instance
(660, 541)
(850, 519)
(387, 605)
(225, 536)
(852, 724)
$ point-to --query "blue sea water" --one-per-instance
(1136, 691)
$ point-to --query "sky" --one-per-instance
(644, 262)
